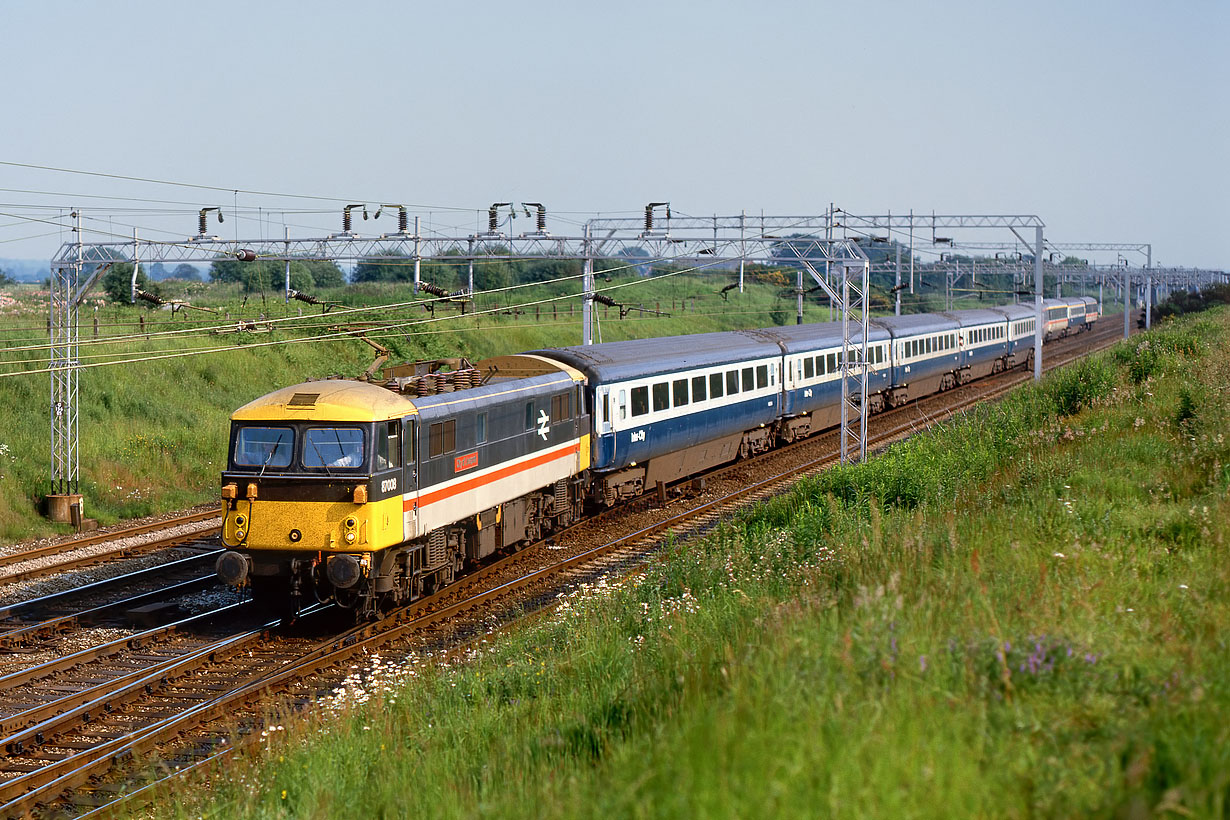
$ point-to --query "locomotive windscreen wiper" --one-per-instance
(272, 450)
(323, 461)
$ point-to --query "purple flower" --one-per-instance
(922, 663)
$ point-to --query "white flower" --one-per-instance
(1060, 555)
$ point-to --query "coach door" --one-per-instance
(410, 478)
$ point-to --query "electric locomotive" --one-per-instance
(371, 496)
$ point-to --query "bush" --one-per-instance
(1079, 384)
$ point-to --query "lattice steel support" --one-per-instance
(64, 363)
(853, 302)
(854, 358)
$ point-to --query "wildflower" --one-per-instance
(1182, 586)
(1060, 555)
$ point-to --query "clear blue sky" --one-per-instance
(1110, 120)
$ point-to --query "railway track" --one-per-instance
(88, 551)
(110, 602)
(172, 709)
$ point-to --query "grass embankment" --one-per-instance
(153, 434)
(1022, 613)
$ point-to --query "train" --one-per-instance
(373, 494)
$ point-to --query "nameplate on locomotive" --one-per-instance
(465, 462)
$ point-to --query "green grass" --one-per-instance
(1020, 614)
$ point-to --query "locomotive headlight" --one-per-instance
(239, 534)
(240, 521)
(350, 538)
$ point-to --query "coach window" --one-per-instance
(661, 396)
(388, 446)
(732, 382)
(715, 385)
(830, 363)
(441, 438)
(809, 368)
(561, 408)
(749, 380)
(762, 375)
(640, 401)
(480, 428)
(680, 390)
(698, 388)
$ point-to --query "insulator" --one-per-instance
(402, 220)
(603, 299)
(542, 219)
(648, 218)
(201, 225)
(245, 255)
(493, 220)
(346, 220)
(434, 290)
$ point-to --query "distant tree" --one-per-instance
(253, 276)
(325, 274)
(158, 272)
(5, 279)
(547, 270)
(389, 266)
(184, 271)
(117, 282)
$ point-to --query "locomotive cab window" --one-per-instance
(388, 445)
(530, 422)
(264, 446)
(480, 428)
(333, 447)
(441, 438)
